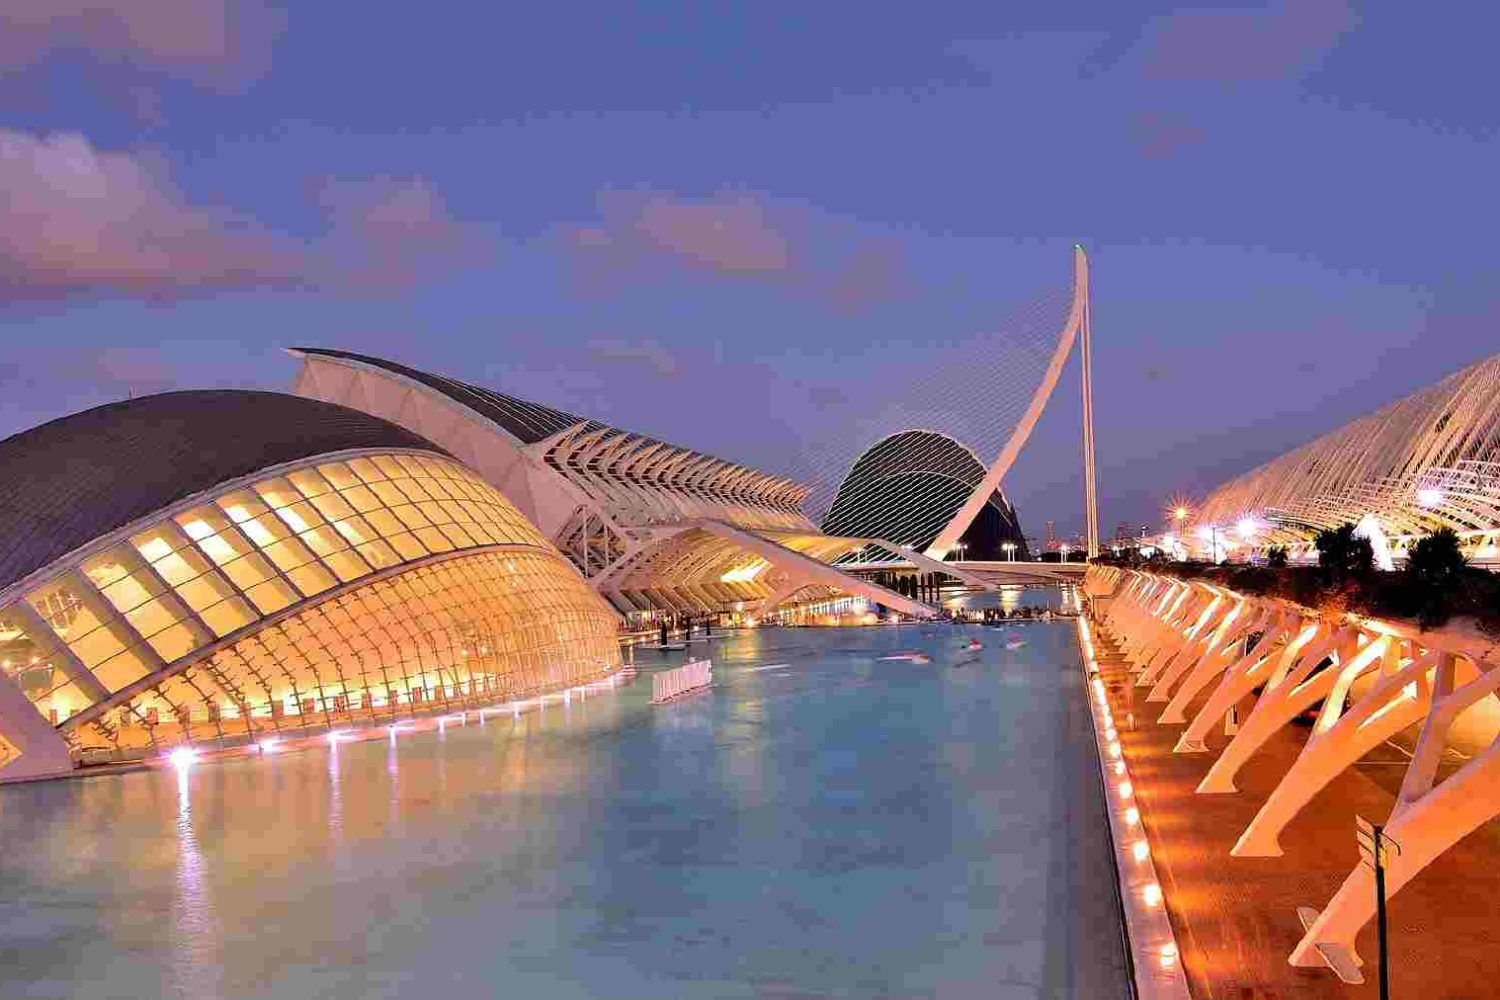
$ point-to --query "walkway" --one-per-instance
(1235, 918)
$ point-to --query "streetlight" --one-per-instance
(1009, 548)
(960, 547)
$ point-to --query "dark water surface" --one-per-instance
(843, 826)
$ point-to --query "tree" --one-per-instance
(1342, 555)
(1434, 567)
(1276, 557)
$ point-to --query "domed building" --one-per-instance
(215, 567)
(905, 488)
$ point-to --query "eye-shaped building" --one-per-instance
(908, 486)
(214, 567)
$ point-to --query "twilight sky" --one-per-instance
(732, 229)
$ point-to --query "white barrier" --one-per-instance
(679, 681)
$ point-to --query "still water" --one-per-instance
(822, 823)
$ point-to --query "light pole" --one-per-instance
(1010, 550)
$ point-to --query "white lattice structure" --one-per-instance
(652, 526)
(1429, 460)
(1203, 651)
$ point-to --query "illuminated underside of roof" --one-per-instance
(1428, 460)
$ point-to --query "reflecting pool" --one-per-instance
(826, 821)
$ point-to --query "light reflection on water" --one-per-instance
(845, 826)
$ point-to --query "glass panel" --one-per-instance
(339, 475)
(288, 554)
(309, 483)
(411, 516)
(181, 566)
(300, 516)
(362, 498)
(226, 616)
(355, 529)
(151, 617)
(173, 642)
(271, 596)
(249, 571)
(379, 554)
(332, 506)
(311, 579)
(406, 543)
(124, 668)
(366, 470)
(385, 523)
(323, 541)
(347, 564)
(277, 493)
(106, 568)
(204, 592)
(27, 660)
(130, 592)
(434, 539)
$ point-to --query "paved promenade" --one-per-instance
(1235, 918)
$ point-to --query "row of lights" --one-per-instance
(1140, 847)
(183, 758)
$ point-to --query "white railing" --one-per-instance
(681, 680)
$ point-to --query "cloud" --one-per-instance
(1277, 43)
(219, 41)
(647, 354)
(1161, 135)
(394, 233)
(647, 234)
(76, 220)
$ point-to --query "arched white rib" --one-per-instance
(950, 535)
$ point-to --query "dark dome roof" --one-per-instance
(69, 481)
(906, 487)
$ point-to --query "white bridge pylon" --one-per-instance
(1075, 330)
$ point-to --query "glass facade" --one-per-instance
(191, 579)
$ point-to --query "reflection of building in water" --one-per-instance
(210, 567)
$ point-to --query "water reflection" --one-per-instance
(844, 825)
(197, 938)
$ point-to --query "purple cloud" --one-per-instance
(394, 233)
(738, 234)
(1241, 45)
(212, 40)
(77, 220)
